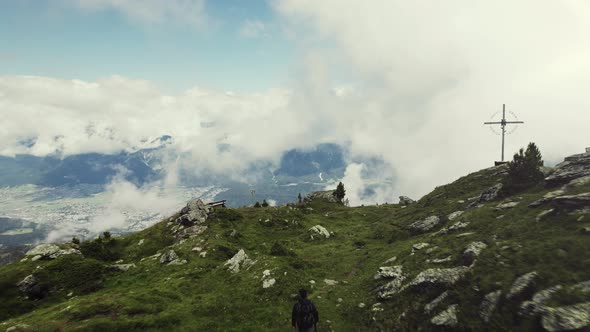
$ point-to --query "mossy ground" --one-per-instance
(203, 296)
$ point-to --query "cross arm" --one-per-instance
(492, 123)
(514, 121)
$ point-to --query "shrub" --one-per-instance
(264, 203)
(279, 248)
(524, 170)
(257, 205)
(339, 192)
(104, 249)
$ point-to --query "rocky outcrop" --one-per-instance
(439, 277)
(506, 206)
(472, 251)
(429, 307)
(425, 224)
(453, 228)
(405, 200)
(319, 231)
(454, 215)
(189, 232)
(447, 318)
(572, 202)
(573, 317)
(31, 287)
(321, 195)
(388, 272)
(488, 305)
(487, 195)
(267, 281)
(419, 246)
(168, 257)
(121, 267)
(195, 212)
(50, 251)
(239, 261)
(392, 288)
(538, 303)
(521, 284)
(573, 167)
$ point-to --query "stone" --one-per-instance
(327, 195)
(63, 252)
(121, 267)
(487, 195)
(473, 250)
(391, 288)
(447, 318)
(239, 260)
(425, 224)
(195, 212)
(572, 317)
(439, 277)
(405, 200)
(330, 282)
(31, 288)
(191, 231)
(575, 166)
(391, 260)
(440, 260)
(19, 328)
(43, 250)
(521, 284)
(434, 303)
(388, 272)
(168, 257)
(538, 303)
(419, 246)
(454, 215)
(140, 242)
(488, 305)
(319, 231)
(178, 261)
(268, 283)
(453, 228)
(572, 202)
(506, 206)
(544, 214)
(362, 305)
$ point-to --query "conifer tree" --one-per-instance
(339, 192)
(524, 169)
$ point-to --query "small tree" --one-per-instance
(524, 169)
(257, 205)
(264, 203)
(299, 199)
(339, 192)
(106, 235)
(75, 240)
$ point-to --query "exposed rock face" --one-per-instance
(454, 215)
(168, 257)
(419, 246)
(521, 284)
(572, 202)
(391, 288)
(487, 195)
(31, 288)
(544, 214)
(436, 302)
(573, 317)
(538, 304)
(488, 305)
(190, 231)
(472, 251)
(447, 318)
(506, 206)
(325, 195)
(121, 267)
(426, 224)
(573, 167)
(195, 212)
(50, 251)
(389, 272)
(240, 260)
(453, 228)
(319, 231)
(405, 200)
(435, 277)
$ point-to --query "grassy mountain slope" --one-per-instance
(203, 295)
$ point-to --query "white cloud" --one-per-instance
(254, 29)
(191, 12)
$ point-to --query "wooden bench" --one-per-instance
(216, 204)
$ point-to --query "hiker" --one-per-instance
(305, 316)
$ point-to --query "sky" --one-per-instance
(409, 82)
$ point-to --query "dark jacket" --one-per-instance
(297, 314)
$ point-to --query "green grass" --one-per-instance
(202, 295)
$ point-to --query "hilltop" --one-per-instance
(462, 257)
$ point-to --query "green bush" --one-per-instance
(104, 249)
(279, 248)
(72, 272)
(524, 170)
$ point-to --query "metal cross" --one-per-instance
(503, 124)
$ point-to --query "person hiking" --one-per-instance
(305, 316)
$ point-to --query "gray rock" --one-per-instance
(573, 167)
(453, 228)
(405, 200)
(472, 251)
(168, 257)
(239, 260)
(573, 317)
(190, 231)
(487, 195)
(506, 206)
(488, 305)
(387, 272)
(323, 195)
(31, 288)
(178, 261)
(441, 260)
(439, 277)
(436, 302)
(319, 231)
(392, 288)
(538, 304)
(19, 328)
(330, 282)
(447, 318)
(121, 267)
(544, 214)
(521, 284)
(43, 250)
(419, 246)
(195, 212)
(454, 215)
(572, 202)
(426, 224)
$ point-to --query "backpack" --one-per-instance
(306, 318)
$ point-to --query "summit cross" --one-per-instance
(503, 124)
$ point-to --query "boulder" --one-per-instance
(190, 231)
(453, 228)
(436, 302)
(50, 251)
(388, 272)
(391, 288)
(572, 167)
(573, 317)
(405, 200)
(440, 260)
(321, 195)
(506, 206)
(521, 284)
(487, 195)
(419, 246)
(454, 215)
(121, 267)
(168, 257)
(195, 212)
(31, 287)
(439, 277)
(239, 260)
(472, 251)
(425, 224)
(544, 214)
(538, 304)
(319, 231)
(488, 305)
(446, 318)
(572, 202)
